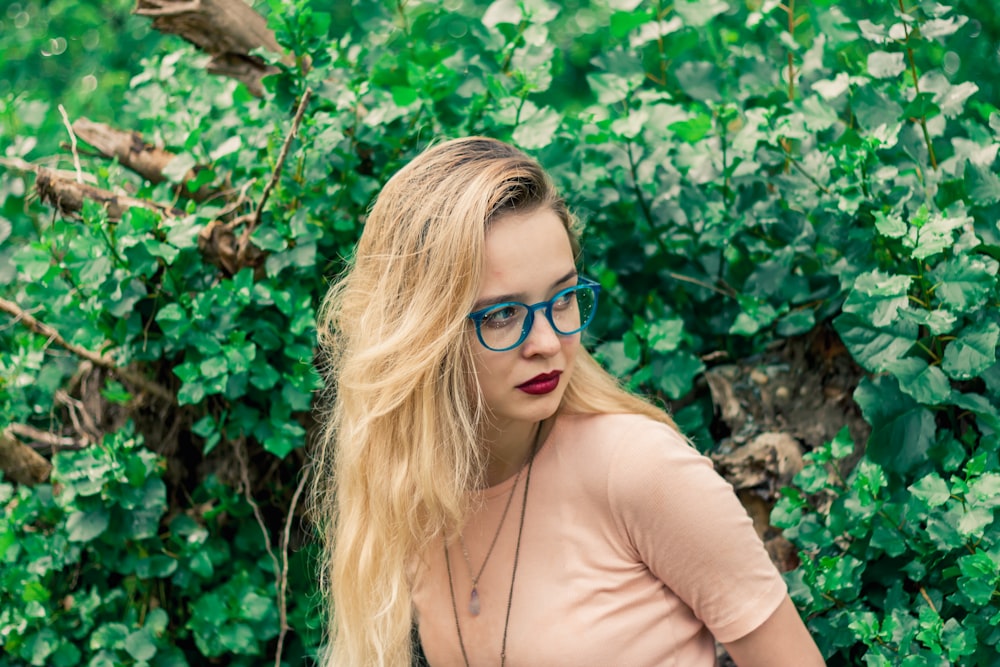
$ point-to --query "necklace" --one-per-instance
(474, 596)
(513, 574)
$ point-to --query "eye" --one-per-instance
(500, 317)
(564, 300)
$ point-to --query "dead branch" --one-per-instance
(255, 221)
(83, 422)
(25, 167)
(42, 329)
(72, 140)
(68, 196)
(228, 30)
(240, 447)
(134, 153)
(20, 463)
(283, 581)
(44, 438)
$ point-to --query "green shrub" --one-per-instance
(746, 171)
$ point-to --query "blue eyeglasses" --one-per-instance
(504, 326)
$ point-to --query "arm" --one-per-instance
(781, 641)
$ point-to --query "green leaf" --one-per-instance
(178, 168)
(891, 226)
(989, 416)
(884, 65)
(612, 87)
(613, 356)
(984, 491)
(256, 607)
(937, 321)
(932, 490)
(692, 130)
(936, 28)
(239, 638)
(696, 13)
(86, 526)
(665, 335)
(982, 184)
(213, 367)
(538, 129)
(173, 320)
(936, 235)
(874, 348)
(964, 282)
(502, 11)
(155, 567)
(878, 297)
(404, 96)
(972, 352)
(674, 373)
(622, 23)
(140, 646)
(925, 383)
(979, 578)
(902, 429)
(796, 323)
(227, 147)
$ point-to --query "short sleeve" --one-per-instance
(685, 523)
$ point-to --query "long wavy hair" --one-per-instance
(400, 447)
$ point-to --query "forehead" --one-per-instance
(525, 254)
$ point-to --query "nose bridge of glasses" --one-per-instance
(530, 318)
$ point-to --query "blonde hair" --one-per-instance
(398, 452)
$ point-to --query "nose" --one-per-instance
(542, 338)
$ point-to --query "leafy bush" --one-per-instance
(748, 172)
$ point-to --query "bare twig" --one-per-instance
(927, 597)
(701, 283)
(239, 446)
(248, 230)
(283, 582)
(42, 329)
(44, 437)
(83, 421)
(72, 143)
(25, 167)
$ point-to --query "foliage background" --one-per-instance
(730, 203)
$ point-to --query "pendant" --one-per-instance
(474, 602)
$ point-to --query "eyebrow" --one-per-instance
(503, 298)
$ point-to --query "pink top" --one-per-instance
(634, 553)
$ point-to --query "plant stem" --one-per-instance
(791, 63)
(916, 88)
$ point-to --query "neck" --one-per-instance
(510, 448)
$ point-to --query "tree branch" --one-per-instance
(228, 30)
(283, 581)
(258, 212)
(136, 154)
(42, 329)
(20, 463)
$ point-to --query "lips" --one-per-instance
(541, 384)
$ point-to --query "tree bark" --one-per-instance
(134, 153)
(68, 195)
(20, 463)
(228, 30)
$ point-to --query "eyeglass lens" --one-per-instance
(505, 326)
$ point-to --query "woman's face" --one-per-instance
(528, 259)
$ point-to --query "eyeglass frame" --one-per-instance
(529, 319)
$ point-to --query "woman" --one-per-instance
(485, 481)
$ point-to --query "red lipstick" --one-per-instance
(541, 384)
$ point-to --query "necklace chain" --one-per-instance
(474, 596)
(513, 574)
